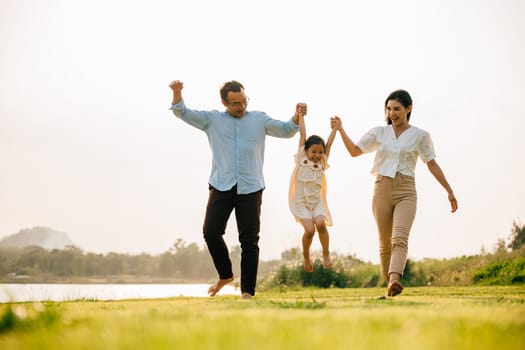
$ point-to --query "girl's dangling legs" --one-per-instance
(308, 236)
(324, 239)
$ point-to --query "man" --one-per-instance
(237, 138)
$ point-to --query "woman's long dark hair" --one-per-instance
(402, 97)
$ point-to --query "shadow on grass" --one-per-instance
(391, 302)
(299, 304)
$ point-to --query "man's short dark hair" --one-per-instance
(230, 86)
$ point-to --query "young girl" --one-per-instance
(307, 195)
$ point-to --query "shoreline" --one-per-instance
(104, 280)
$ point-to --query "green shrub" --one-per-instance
(340, 275)
(325, 278)
(502, 273)
(27, 316)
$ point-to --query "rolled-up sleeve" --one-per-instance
(278, 128)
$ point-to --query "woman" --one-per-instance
(398, 146)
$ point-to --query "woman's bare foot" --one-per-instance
(217, 286)
(327, 262)
(394, 288)
(308, 266)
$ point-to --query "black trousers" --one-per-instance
(248, 215)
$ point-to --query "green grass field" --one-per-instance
(421, 318)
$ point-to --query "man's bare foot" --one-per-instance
(217, 286)
(246, 296)
(308, 267)
(394, 288)
(327, 262)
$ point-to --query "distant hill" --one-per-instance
(37, 236)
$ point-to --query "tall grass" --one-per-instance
(27, 316)
(501, 268)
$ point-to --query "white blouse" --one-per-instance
(397, 154)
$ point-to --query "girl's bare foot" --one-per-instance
(327, 262)
(217, 286)
(308, 267)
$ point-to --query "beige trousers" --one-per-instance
(394, 206)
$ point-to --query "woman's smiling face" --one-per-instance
(397, 113)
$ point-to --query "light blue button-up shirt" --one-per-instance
(237, 144)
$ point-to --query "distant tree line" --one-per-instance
(181, 262)
(190, 263)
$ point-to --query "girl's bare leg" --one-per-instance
(324, 239)
(308, 237)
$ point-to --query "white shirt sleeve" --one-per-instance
(425, 148)
(369, 141)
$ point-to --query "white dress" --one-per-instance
(307, 195)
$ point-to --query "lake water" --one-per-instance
(16, 292)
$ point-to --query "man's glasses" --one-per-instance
(239, 103)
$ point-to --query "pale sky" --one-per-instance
(89, 147)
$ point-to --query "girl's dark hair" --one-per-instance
(230, 86)
(314, 140)
(402, 97)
